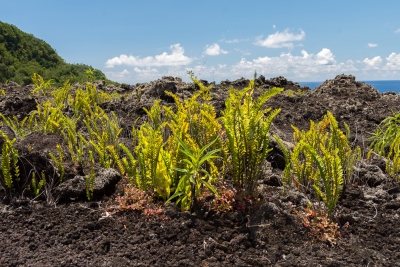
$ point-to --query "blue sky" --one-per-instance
(140, 41)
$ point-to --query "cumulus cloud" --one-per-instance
(397, 31)
(176, 58)
(374, 62)
(306, 65)
(214, 50)
(281, 39)
(120, 74)
(145, 71)
(393, 61)
(325, 57)
(372, 45)
(305, 54)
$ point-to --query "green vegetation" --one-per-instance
(9, 163)
(194, 174)
(321, 159)
(178, 154)
(184, 153)
(247, 134)
(22, 54)
(386, 142)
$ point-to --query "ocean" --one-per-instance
(382, 86)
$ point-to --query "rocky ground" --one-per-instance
(62, 229)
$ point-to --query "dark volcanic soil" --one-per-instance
(267, 233)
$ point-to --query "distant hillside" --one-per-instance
(22, 54)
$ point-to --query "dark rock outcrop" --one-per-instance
(104, 184)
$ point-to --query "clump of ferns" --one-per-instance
(104, 130)
(47, 118)
(149, 167)
(41, 87)
(393, 159)
(158, 155)
(10, 173)
(195, 122)
(385, 134)
(386, 142)
(247, 124)
(18, 127)
(321, 161)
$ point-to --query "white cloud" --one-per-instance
(145, 71)
(372, 45)
(305, 54)
(393, 62)
(374, 62)
(214, 50)
(397, 31)
(121, 74)
(274, 26)
(306, 65)
(281, 39)
(176, 58)
(325, 57)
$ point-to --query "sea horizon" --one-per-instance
(381, 85)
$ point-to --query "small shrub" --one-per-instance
(225, 200)
(133, 199)
(321, 227)
(194, 174)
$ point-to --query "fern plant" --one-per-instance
(62, 95)
(322, 159)
(37, 185)
(328, 179)
(385, 134)
(393, 159)
(41, 87)
(154, 170)
(18, 127)
(386, 142)
(89, 181)
(247, 127)
(58, 162)
(195, 122)
(129, 163)
(325, 134)
(9, 163)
